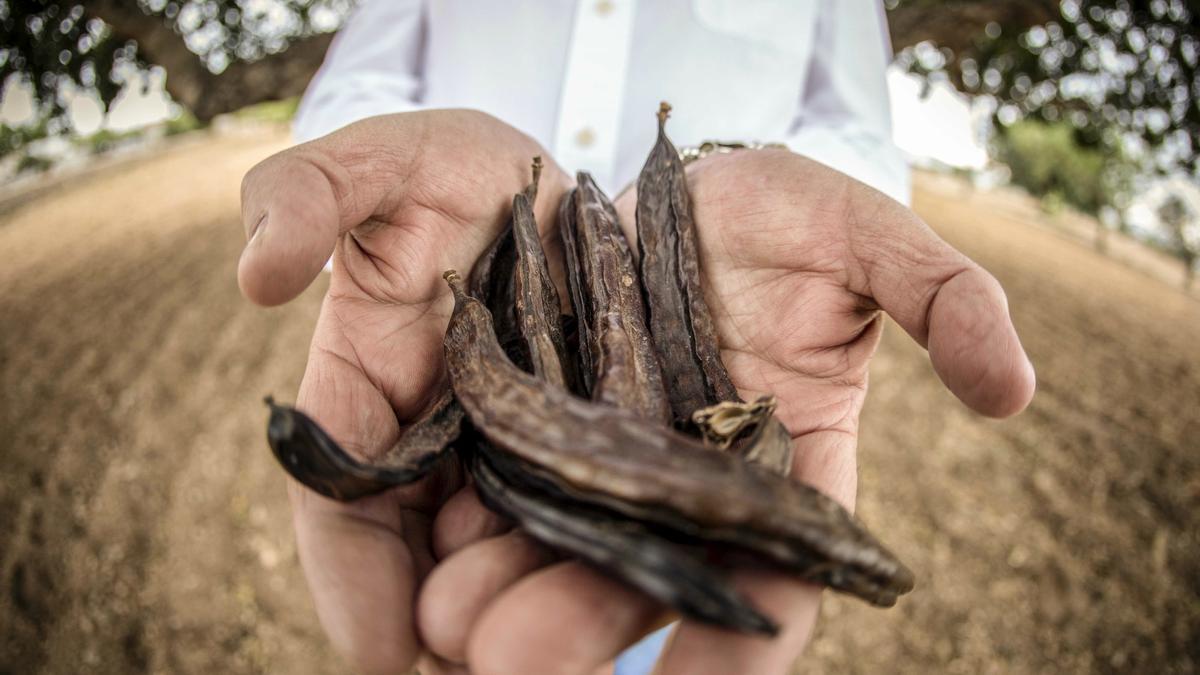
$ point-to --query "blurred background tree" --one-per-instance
(1122, 73)
(1183, 228)
(219, 55)
(1089, 98)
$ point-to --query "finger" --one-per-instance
(461, 586)
(464, 520)
(362, 577)
(826, 460)
(362, 560)
(942, 299)
(566, 618)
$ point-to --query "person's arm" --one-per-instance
(844, 120)
(372, 68)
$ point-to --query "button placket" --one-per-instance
(594, 87)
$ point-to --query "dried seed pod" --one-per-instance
(318, 462)
(658, 567)
(678, 316)
(747, 429)
(580, 298)
(612, 457)
(493, 280)
(722, 424)
(538, 308)
(627, 373)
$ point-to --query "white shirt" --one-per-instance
(584, 77)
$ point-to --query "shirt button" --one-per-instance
(604, 7)
(585, 137)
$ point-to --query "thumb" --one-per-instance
(944, 300)
(292, 211)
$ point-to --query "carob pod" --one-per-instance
(680, 322)
(626, 369)
(658, 567)
(318, 462)
(577, 289)
(677, 314)
(615, 459)
(493, 280)
(538, 312)
(662, 569)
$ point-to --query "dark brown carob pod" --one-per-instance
(680, 322)
(577, 288)
(493, 279)
(318, 462)
(538, 310)
(658, 567)
(678, 316)
(627, 373)
(645, 471)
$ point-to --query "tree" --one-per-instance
(1123, 73)
(1184, 232)
(1120, 72)
(219, 55)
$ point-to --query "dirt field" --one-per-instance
(144, 527)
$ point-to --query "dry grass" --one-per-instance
(143, 525)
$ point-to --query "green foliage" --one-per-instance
(14, 138)
(105, 140)
(270, 111)
(1049, 161)
(33, 163)
(51, 44)
(1116, 70)
(182, 123)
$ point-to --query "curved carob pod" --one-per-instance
(658, 567)
(318, 462)
(680, 322)
(614, 459)
(626, 369)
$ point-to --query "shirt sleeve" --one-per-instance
(844, 119)
(373, 67)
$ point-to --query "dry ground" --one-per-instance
(144, 528)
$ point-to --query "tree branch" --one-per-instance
(957, 24)
(190, 83)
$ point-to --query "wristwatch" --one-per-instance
(695, 152)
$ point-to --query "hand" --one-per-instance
(798, 261)
(396, 200)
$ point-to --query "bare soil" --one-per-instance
(144, 526)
